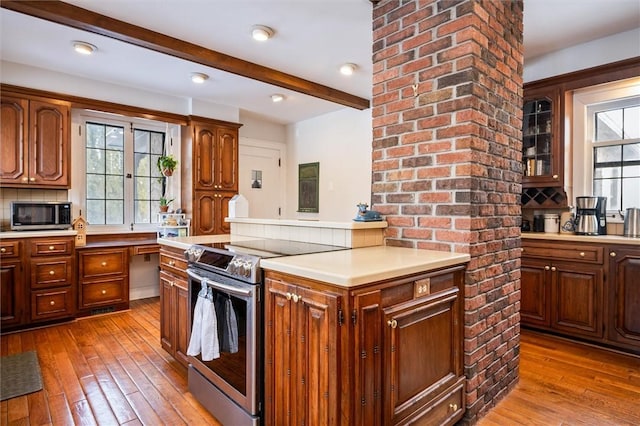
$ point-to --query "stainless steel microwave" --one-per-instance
(31, 216)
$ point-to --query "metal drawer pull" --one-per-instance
(3, 250)
(288, 296)
(581, 254)
(104, 291)
(453, 407)
(172, 263)
(104, 263)
(546, 268)
(32, 179)
(296, 298)
(52, 303)
(51, 247)
(612, 254)
(392, 323)
(553, 268)
(52, 273)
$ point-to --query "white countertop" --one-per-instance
(185, 242)
(310, 223)
(603, 239)
(38, 234)
(358, 266)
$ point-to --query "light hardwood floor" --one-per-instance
(111, 370)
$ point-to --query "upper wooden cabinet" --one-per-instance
(35, 142)
(215, 157)
(210, 173)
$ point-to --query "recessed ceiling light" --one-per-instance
(277, 97)
(261, 33)
(348, 69)
(198, 77)
(84, 48)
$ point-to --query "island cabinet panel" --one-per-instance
(381, 353)
(175, 306)
(302, 349)
(624, 296)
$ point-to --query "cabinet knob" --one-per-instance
(52, 303)
(553, 268)
(453, 407)
(32, 179)
(392, 323)
(546, 268)
(172, 263)
(3, 250)
(581, 254)
(104, 292)
(296, 298)
(51, 247)
(104, 263)
(612, 254)
(288, 296)
(52, 273)
(555, 176)
(24, 179)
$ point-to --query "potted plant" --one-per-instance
(164, 204)
(167, 164)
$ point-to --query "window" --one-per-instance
(119, 184)
(616, 154)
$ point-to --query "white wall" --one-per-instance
(342, 143)
(602, 51)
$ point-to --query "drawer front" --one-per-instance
(49, 273)
(51, 304)
(446, 410)
(103, 293)
(103, 263)
(175, 265)
(51, 247)
(9, 249)
(146, 249)
(577, 253)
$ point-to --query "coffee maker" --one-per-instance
(591, 218)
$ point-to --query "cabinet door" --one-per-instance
(226, 160)
(315, 333)
(11, 293)
(368, 359)
(204, 151)
(576, 298)
(421, 329)
(49, 140)
(280, 354)
(167, 317)
(221, 210)
(535, 293)
(624, 296)
(182, 313)
(15, 148)
(204, 214)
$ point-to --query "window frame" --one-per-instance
(77, 193)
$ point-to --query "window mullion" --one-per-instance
(128, 177)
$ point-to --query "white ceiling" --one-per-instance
(312, 39)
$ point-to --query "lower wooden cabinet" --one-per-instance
(569, 288)
(175, 306)
(103, 279)
(384, 353)
(624, 296)
(12, 286)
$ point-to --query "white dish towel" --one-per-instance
(204, 331)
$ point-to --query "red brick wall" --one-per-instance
(447, 99)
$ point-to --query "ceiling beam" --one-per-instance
(83, 19)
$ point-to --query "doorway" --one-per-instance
(261, 180)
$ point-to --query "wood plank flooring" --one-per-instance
(111, 370)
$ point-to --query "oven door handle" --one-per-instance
(219, 286)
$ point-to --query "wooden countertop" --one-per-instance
(359, 266)
(602, 239)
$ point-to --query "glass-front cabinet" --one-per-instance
(541, 150)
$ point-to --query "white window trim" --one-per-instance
(581, 135)
(77, 192)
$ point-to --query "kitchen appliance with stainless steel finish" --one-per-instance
(632, 223)
(230, 386)
(591, 216)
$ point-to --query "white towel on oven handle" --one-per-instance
(209, 339)
(195, 343)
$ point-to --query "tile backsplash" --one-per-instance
(7, 195)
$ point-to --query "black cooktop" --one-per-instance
(266, 248)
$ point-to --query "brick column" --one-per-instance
(447, 102)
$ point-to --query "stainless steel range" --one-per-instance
(225, 349)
